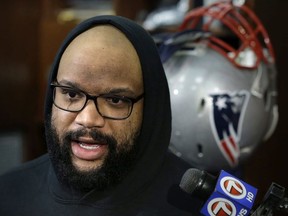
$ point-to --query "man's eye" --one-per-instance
(70, 93)
(117, 100)
(113, 100)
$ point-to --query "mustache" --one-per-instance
(94, 134)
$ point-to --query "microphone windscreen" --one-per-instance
(190, 180)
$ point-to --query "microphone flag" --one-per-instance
(231, 197)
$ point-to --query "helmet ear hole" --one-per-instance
(265, 98)
(200, 150)
(202, 105)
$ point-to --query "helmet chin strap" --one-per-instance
(273, 123)
(272, 99)
(257, 87)
(257, 90)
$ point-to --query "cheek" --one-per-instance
(138, 114)
(124, 130)
(137, 120)
(61, 120)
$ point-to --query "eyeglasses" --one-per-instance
(108, 105)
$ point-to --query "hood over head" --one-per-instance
(156, 126)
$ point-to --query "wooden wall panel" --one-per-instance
(30, 36)
(18, 62)
(18, 71)
(269, 163)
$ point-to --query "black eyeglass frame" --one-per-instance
(94, 99)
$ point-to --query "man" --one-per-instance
(108, 123)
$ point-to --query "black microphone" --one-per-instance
(198, 183)
(225, 194)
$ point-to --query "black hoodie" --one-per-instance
(150, 189)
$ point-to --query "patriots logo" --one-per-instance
(226, 121)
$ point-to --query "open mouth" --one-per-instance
(89, 149)
(89, 146)
(89, 143)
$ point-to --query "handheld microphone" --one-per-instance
(226, 195)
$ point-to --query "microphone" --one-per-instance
(225, 195)
(198, 183)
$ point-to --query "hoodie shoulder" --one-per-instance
(26, 174)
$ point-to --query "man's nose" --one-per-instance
(89, 117)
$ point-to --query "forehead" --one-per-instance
(101, 53)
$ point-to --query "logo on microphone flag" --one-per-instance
(231, 197)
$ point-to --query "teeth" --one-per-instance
(89, 147)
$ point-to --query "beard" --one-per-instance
(119, 161)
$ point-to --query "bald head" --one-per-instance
(104, 39)
(103, 49)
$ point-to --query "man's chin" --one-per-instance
(85, 166)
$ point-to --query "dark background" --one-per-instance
(31, 32)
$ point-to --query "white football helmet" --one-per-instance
(223, 97)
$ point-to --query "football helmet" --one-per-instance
(223, 98)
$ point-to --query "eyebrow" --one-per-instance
(106, 91)
(69, 84)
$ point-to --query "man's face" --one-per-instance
(99, 61)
